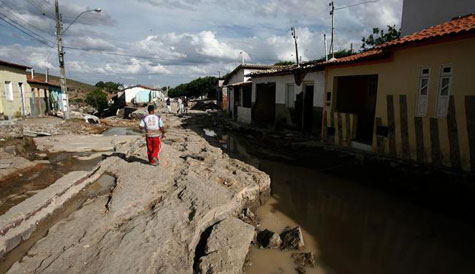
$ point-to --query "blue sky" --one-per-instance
(173, 41)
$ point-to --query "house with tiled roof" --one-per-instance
(411, 98)
(141, 94)
(15, 93)
(236, 91)
(289, 96)
(44, 95)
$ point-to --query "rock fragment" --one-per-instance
(304, 259)
(227, 247)
(268, 239)
(292, 239)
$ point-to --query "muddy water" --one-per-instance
(102, 186)
(352, 228)
(16, 189)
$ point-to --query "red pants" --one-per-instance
(153, 148)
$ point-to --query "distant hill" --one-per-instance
(76, 89)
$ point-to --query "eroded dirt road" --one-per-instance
(156, 217)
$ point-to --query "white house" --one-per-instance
(141, 94)
(290, 96)
(238, 89)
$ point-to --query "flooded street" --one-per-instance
(352, 228)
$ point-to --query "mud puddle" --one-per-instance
(349, 227)
(102, 186)
(119, 131)
(21, 186)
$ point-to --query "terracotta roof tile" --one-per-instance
(459, 25)
(41, 81)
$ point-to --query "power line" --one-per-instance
(30, 35)
(40, 6)
(18, 18)
(354, 5)
(26, 29)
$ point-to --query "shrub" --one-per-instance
(97, 99)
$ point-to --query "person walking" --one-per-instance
(185, 105)
(169, 105)
(180, 105)
(153, 126)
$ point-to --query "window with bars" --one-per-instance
(443, 96)
(423, 92)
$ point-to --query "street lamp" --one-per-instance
(98, 10)
(62, 69)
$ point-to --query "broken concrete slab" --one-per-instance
(81, 143)
(11, 164)
(154, 218)
(292, 239)
(226, 247)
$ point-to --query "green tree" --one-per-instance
(195, 88)
(108, 86)
(380, 36)
(97, 99)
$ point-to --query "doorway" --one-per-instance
(264, 108)
(308, 108)
(357, 95)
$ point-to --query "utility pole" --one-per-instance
(332, 13)
(325, 46)
(62, 69)
(294, 35)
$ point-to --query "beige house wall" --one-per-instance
(15, 76)
(398, 80)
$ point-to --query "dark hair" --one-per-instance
(151, 108)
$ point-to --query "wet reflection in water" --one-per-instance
(16, 189)
(356, 229)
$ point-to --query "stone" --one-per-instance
(301, 270)
(268, 239)
(227, 247)
(292, 239)
(304, 259)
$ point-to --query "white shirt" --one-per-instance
(152, 124)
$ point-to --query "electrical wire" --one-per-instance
(41, 7)
(354, 5)
(18, 18)
(30, 35)
(26, 28)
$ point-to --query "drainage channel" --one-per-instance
(103, 186)
(21, 186)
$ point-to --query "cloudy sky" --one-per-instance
(167, 42)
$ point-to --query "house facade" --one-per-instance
(238, 89)
(15, 93)
(291, 97)
(411, 98)
(42, 99)
(140, 94)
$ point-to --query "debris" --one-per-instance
(304, 259)
(249, 217)
(268, 239)
(210, 132)
(292, 239)
(35, 134)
